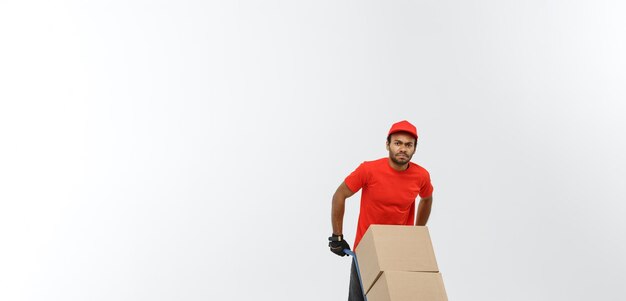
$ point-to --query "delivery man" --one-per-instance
(390, 187)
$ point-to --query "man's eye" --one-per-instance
(398, 143)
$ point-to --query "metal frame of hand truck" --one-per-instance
(358, 271)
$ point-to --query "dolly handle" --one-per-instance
(358, 270)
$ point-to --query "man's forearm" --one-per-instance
(423, 211)
(338, 208)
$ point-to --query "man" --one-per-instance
(390, 188)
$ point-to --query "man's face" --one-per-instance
(401, 148)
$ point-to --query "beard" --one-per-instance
(402, 160)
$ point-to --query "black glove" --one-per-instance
(337, 244)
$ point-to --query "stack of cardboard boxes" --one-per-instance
(398, 264)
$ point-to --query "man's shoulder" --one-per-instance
(417, 168)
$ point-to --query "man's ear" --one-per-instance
(387, 145)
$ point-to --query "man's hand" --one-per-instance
(337, 244)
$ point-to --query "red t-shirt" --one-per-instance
(388, 196)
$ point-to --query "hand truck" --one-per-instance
(358, 271)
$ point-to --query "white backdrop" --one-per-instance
(188, 150)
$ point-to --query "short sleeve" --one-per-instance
(357, 179)
(427, 188)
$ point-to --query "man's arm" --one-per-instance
(423, 211)
(338, 207)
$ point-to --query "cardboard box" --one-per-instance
(394, 248)
(408, 286)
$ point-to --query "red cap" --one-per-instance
(403, 126)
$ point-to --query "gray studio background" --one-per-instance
(188, 150)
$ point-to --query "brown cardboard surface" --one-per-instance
(408, 286)
(394, 248)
